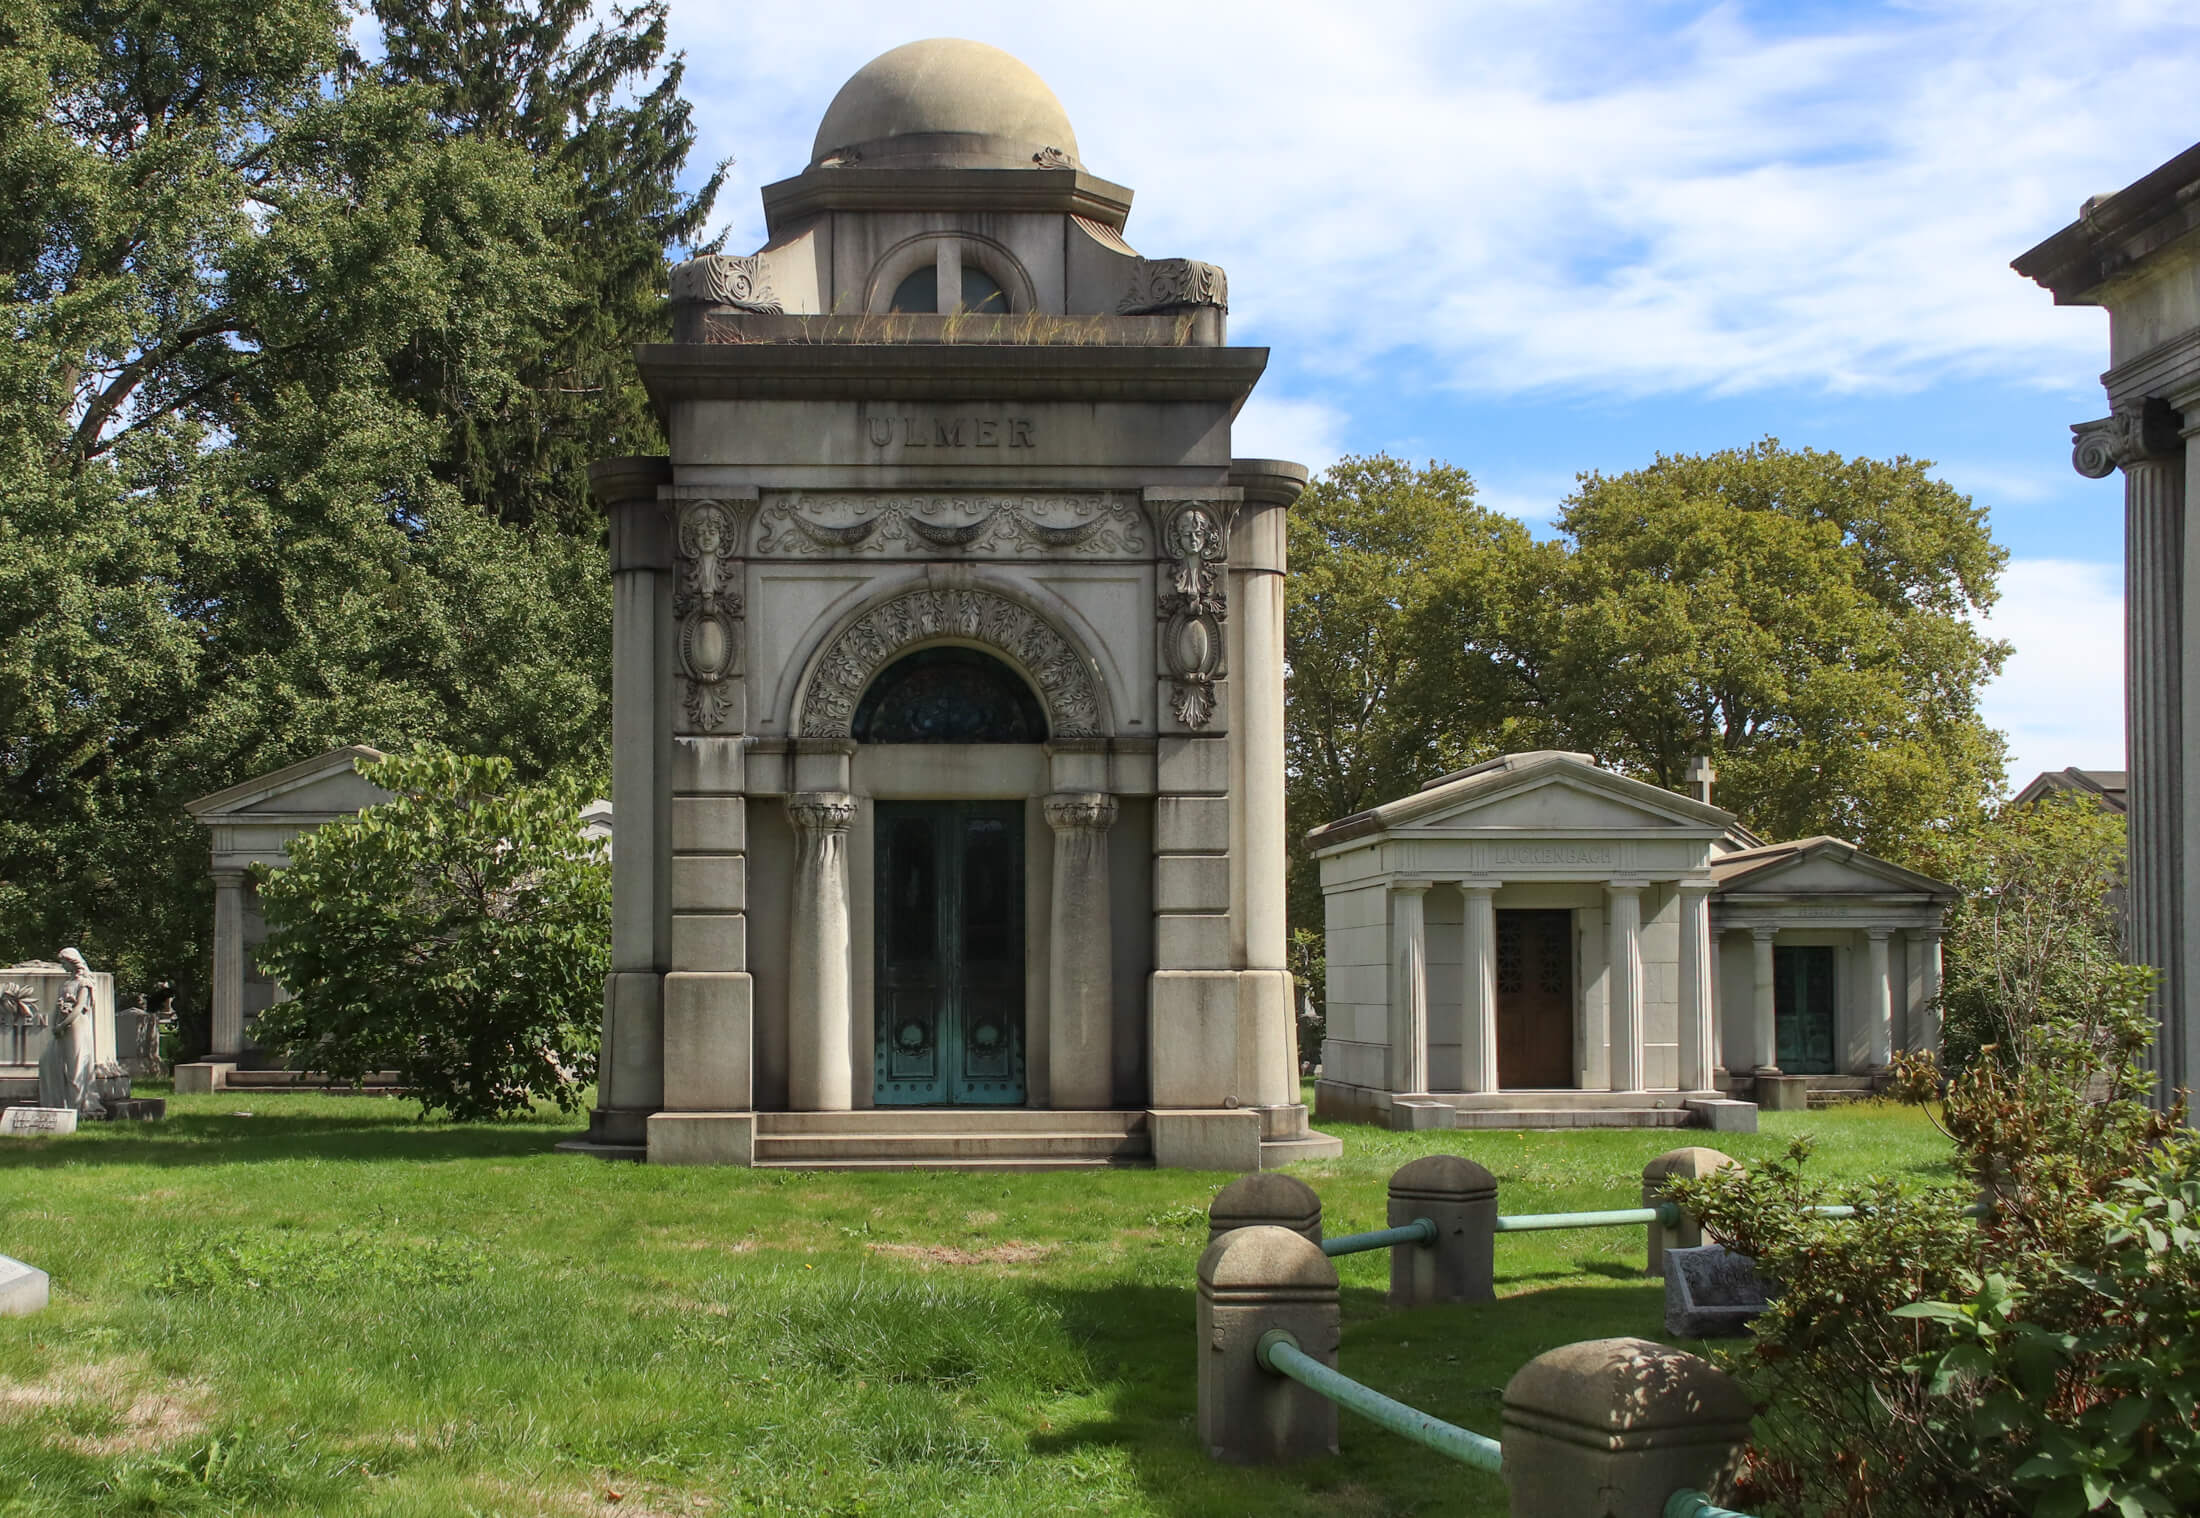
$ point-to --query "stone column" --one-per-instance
(228, 1009)
(1080, 949)
(1878, 1001)
(819, 1073)
(1478, 980)
(2142, 440)
(1409, 977)
(1925, 995)
(1625, 979)
(1765, 1032)
(1699, 1053)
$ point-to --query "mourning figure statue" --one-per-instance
(65, 1069)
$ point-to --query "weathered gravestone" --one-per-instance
(22, 1288)
(28, 1122)
(1711, 1293)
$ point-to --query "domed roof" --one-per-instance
(946, 104)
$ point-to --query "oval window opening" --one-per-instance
(949, 695)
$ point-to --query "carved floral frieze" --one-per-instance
(1195, 544)
(706, 601)
(929, 525)
(972, 615)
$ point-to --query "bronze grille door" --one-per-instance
(1535, 1000)
(949, 950)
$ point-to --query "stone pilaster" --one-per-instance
(1878, 1000)
(1409, 972)
(227, 1033)
(1080, 970)
(1699, 1053)
(1478, 981)
(2142, 440)
(820, 1066)
(1625, 980)
(1764, 1043)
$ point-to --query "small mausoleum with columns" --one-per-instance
(1540, 942)
(948, 685)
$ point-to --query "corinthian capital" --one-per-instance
(1079, 809)
(2138, 432)
(822, 811)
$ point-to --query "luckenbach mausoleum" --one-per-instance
(948, 697)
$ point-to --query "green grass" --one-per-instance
(307, 1304)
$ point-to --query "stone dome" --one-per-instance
(945, 104)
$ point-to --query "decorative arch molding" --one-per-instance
(911, 618)
(978, 252)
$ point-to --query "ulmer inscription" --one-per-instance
(976, 431)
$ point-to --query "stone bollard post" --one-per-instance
(1460, 1198)
(1266, 1198)
(1666, 1167)
(1613, 1427)
(1252, 1280)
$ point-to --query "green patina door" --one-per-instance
(949, 936)
(1802, 1009)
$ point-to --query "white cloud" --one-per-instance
(2060, 698)
(1278, 427)
(1588, 195)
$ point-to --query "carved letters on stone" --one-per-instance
(1163, 284)
(708, 605)
(1193, 610)
(722, 280)
(998, 526)
(848, 665)
(2136, 433)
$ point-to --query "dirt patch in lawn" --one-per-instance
(114, 1407)
(1011, 1253)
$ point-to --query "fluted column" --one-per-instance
(1878, 1001)
(1080, 955)
(1409, 971)
(1764, 1041)
(1698, 1052)
(1478, 983)
(1924, 1032)
(820, 1073)
(1624, 977)
(2142, 439)
(227, 1032)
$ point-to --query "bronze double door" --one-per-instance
(1535, 1000)
(949, 954)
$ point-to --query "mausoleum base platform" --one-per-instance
(1559, 1108)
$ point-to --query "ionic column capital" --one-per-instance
(2139, 432)
(1479, 887)
(1079, 811)
(1764, 932)
(822, 811)
(1412, 887)
(231, 880)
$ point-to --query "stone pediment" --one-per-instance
(1819, 867)
(327, 785)
(1537, 793)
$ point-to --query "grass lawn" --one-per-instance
(308, 1304)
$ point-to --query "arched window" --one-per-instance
(949, 695)
(919, 294)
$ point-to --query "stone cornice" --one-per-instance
(1062, 192)
(2170, 370)
(784, 371)
(2115, 232)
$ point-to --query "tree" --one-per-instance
(2037, 932)
(459, 934)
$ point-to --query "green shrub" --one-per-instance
(2067, 1374)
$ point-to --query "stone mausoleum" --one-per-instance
(948, 734)
(1541, 942)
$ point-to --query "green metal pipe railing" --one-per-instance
(1532, 1222)
(1279, 1354)
(1419, 1231)
(1687, 1504)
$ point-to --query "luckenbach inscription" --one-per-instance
(949, 431)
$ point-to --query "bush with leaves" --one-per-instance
(458, 934)
(1872, 1403)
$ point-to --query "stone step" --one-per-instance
(1579, 1117)
(1134, 1162)
(918, 1148)
(913, 1120)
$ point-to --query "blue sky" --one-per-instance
(1534, 239)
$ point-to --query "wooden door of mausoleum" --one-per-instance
(1535, 1000)
(949, 931)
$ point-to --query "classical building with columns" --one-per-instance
(1537, 941)
(2136, 253)
(948, 685)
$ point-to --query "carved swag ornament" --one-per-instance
(709, 610)
(928, 616)
(1165, 284)
(1194, 609)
